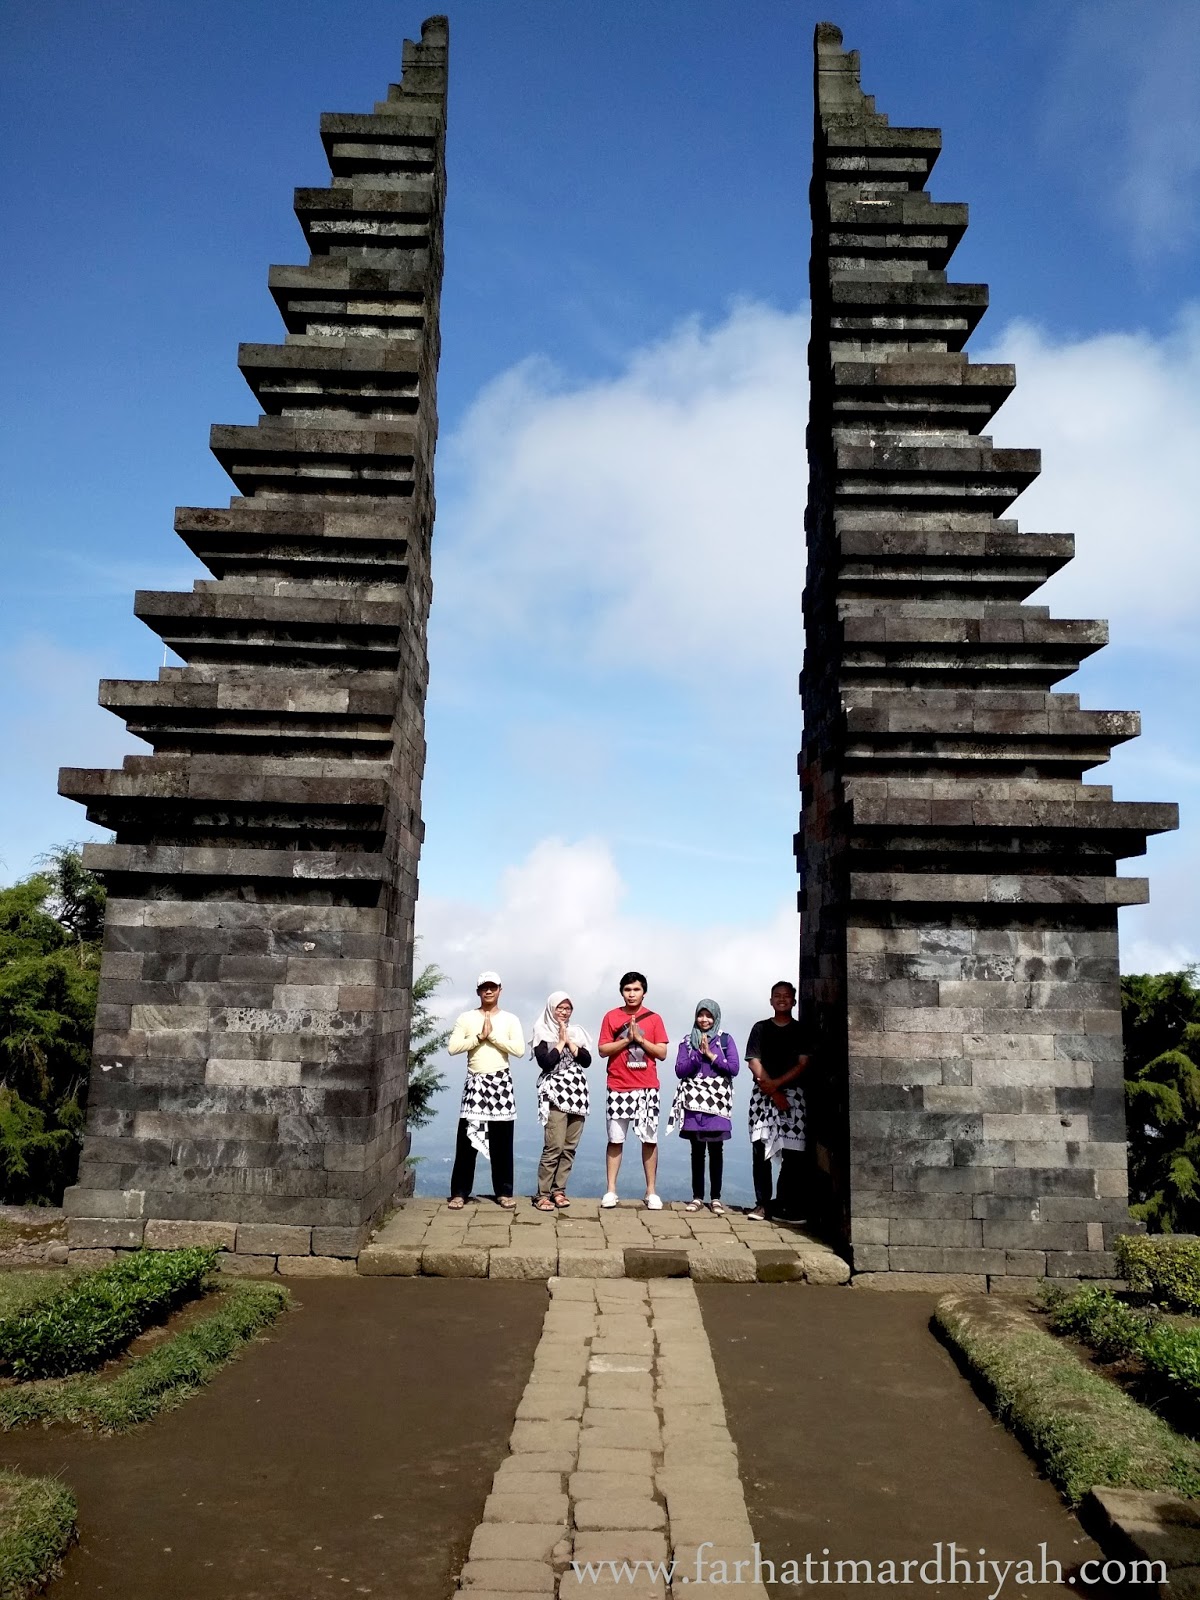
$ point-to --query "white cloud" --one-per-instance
(621, 514)
(558, 921)
(49, 719)
(1117, 418)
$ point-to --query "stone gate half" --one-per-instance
(249, 1066)
(959, 946)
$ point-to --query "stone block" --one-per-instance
(127, 1203)
(454, 1261)
(624, 1511)
(610, 1486)
(641, 1262)
(526, 1541)
(91, 1258)
(576, 1263)
(624, 1544)
(530, 1507)
(544, 1437)
(102, 1233)
(528, 1263)
(394, 1261)
(315, 1267)
(822, 1266)
(550, 1402)
(337, 1241)
(516, 1578)
(258, 1239)
(169, 1234)
(923, 1282)
(235, 1266)
(729, 1265)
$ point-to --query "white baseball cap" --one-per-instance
(487, 977)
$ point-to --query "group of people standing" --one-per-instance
(632, 1041)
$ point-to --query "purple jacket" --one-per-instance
(690, 1063)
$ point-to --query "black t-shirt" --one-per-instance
(777, 1048)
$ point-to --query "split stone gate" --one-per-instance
(959, 944)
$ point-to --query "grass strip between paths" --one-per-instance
(37, 1523)
(1082, 1428)
(150, 1383)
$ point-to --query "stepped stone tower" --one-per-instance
(249, 1074)
(959, 947)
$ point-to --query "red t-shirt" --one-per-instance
(622, 1072)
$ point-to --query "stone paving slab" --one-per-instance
(635, 1465)
(626, 1241)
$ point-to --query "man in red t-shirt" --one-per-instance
(632, 1041)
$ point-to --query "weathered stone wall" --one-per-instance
(959, 947)
(250, 1062)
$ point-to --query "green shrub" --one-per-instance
(1104, 1323)
(1164, 1266)
(37, 1523)
(97, 1315)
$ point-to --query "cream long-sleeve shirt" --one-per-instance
(491, 1054)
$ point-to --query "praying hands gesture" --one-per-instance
(486, 1031)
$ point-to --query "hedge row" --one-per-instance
(1113, 1329)
(96, 1315)
(1079, 1425)
(161, 1378)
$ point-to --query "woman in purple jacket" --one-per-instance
(706, 1066)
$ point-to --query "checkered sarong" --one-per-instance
(712, 1096)
(640, 1106)
(487, 1097)
(778, 1130)
(563, 1088)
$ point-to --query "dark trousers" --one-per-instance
(716, 1166)
(500, 1143)
(788, 1198)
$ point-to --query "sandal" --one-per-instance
(455, 1203)
(560, 1200)
(694, 1205)
(543, 1203)
(717, 1209)
(506, 1202)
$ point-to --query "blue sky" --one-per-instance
(622, 401)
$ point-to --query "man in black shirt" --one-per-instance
(777, 1053)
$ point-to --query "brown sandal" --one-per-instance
(543, 1203)
(560, 1200)
(506, 1202)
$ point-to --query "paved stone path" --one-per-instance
(624, 1409)
(485, 1241)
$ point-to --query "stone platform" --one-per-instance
(586, 1241)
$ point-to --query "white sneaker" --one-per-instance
(653, 1202)
(610, 1200)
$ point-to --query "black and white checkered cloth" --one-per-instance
(712, 1096)
(564, 1088)
(639, 1106)
(487, 1097)
(778, 1130)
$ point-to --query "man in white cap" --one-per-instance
(491, 1038)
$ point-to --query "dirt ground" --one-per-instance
(858, 1436)
(352, 1457)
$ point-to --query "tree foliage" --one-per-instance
(50, 928)
(1160, 1015)
(426, 1040)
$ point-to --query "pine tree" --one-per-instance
(50, 928)
(426, 1040)
(1160, 1015)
